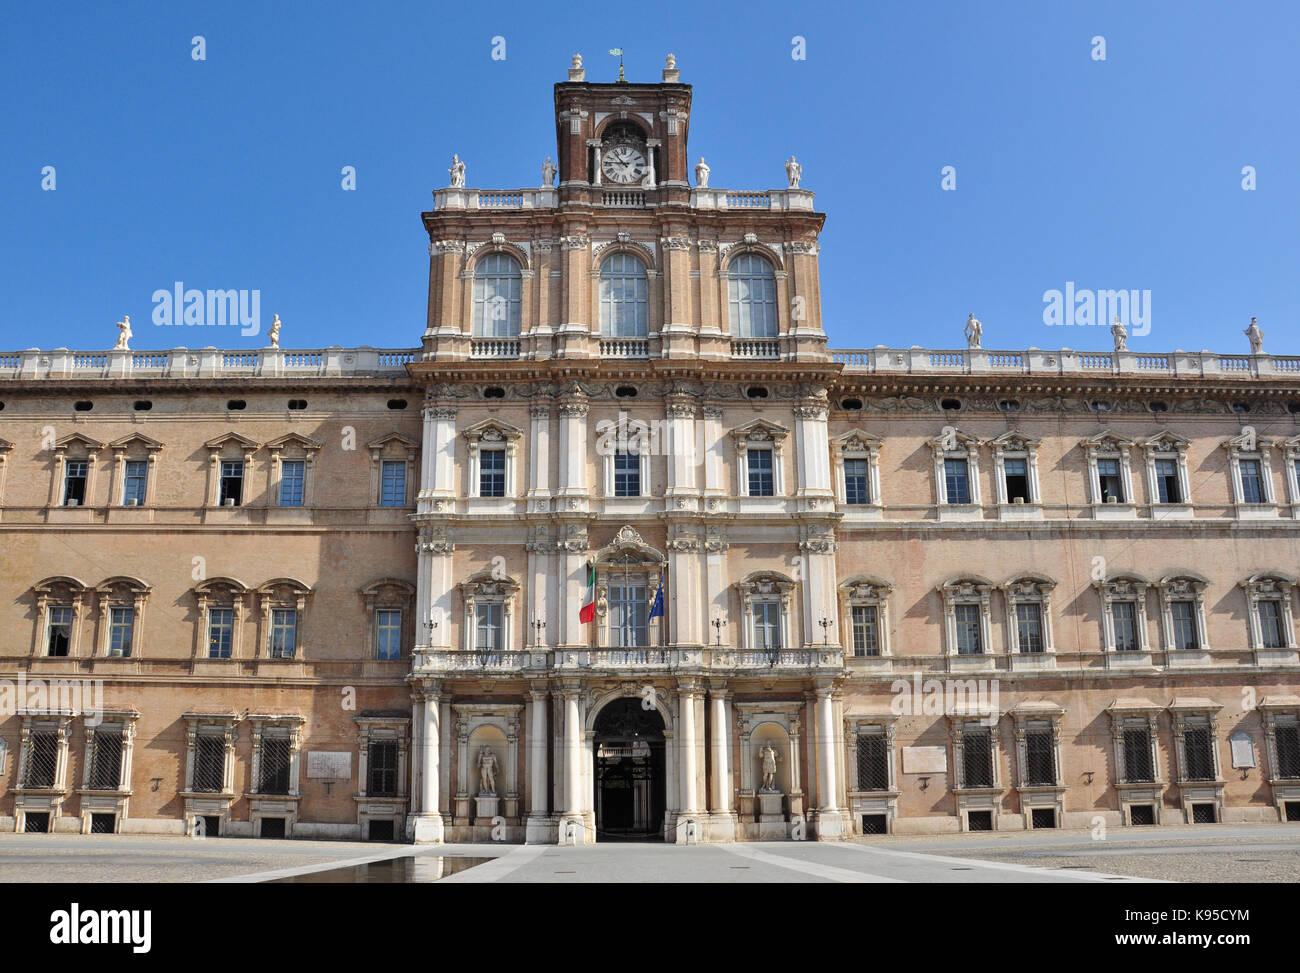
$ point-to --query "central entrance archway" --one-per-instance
(630, 772)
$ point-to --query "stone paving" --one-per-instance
(1261, 853)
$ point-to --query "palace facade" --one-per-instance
(341, 592)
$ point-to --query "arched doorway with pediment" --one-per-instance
(631, 771)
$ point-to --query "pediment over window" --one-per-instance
(120, 584)
(490, 432)
(864, 589)
(759, 431)
(395, 439)
(484, 585)
(1246, 442)
(953, 440)
(766, 583)
(76, 439)
(284, 589)
(5, 445)
(1014, 442)
(60, 585)
(1133, 706)
(294, 439)
(969, 587)
(1269, 583)
(388, 587)
(221, 588)
(1185, 585)
(1123, 586)
(1166, 442)
(1106, 441)
(232, 439)
(1028, 586)
(858, 441)
(136, 439)
(628, 543)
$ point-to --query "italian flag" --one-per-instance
(588, 612)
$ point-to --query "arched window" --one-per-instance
(624, 297)
(752, 297)
(496, 296)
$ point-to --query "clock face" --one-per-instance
(622, 163)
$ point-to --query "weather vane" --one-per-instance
(618, 52)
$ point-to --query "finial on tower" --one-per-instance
(670, 69)
(576, 72)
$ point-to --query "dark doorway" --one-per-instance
(630, 772)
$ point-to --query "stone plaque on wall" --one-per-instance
(1243, 750)
(329, 763)
(925, 760)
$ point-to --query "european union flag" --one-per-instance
(657, 607)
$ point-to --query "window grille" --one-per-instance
(274, 766)
(381, 769)
(106, 761)
(977, 758)
(42, 759)
(873, 762)
(209, 764)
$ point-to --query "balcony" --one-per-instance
(624, 348)
(765, 349)
(772, 200)
(623, 199)
(1035, 361)
(188, 363)
(642, 659)
(494, 348)
(495, 199)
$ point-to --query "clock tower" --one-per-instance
(622, 137)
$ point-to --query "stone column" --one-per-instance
(426, 824)
(722, 824)
(538, 826)
(830, 823)
(688, 693)
(572, 830)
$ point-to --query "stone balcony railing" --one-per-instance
(60, 363)
(649, 659)
(1034, 361)
(623, 197)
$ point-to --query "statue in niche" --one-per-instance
(1256, 337)
(974, 331)
(1120, 333)
(123, 334)
(767, 761)
(487, 772)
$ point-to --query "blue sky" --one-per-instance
(225, 173)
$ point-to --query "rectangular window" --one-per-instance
(628, 626)
(1017, 479)
(1137, 756)
(121, 629)
(759, 465)
(381, 769)
(492, 473)
(134, 478)
(627, 475)
(1184, 618)
(42, 759)
(274, 765)
(106, 761)
(489, 620)
(977, 758)
(221, 632)
(873, 762)
(1167, 490)
(1287, 740)
(1029, 627)
(1109, 481)
(293, 474)
(59, 627)
(231, 488)
(392, 483)
(1252, 483)
(1040, 758)
(1270, 624)
(74, 483)
(284, 633)
(1123, 616)
(1198, 749)
(967, 618)
(956, 481)
(388, 633)
(767, 625)
(866, 636)
(856, 489)
(209, 764)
